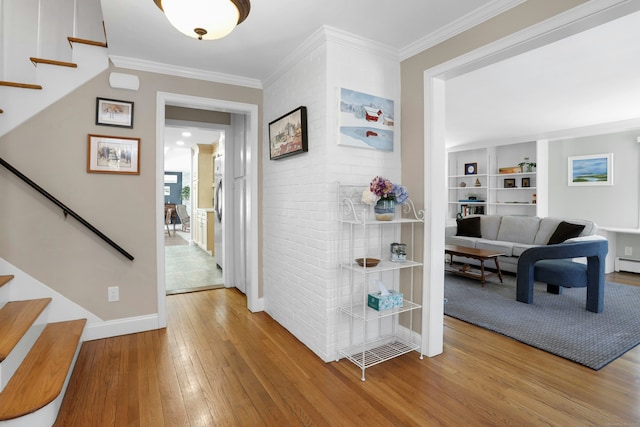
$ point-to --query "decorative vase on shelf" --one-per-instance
(385, 209)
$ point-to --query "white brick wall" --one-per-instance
(299, 192)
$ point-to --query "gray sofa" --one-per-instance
(515, 234)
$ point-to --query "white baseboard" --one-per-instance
(117, 327)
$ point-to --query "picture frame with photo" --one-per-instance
(526, 182)
(510, 183)
(113, 154)
(112, 112)
(288, 134)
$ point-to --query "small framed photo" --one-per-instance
(111, 112)
(526, 182)
(593, 169)
(470, 168)
(509, 183)
(113, 154)
(288, 134)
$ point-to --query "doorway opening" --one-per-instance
(244, 172)
(192, 239)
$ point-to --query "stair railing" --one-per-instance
(65, 210)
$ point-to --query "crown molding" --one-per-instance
(470, 20)
(326, 34)
(178, 71)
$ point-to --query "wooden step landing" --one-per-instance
(16, 317)
(21, 85)
(41, 376)
(37, 61)
(73, 40)
(5, 278)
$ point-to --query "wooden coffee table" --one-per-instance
(480, 254)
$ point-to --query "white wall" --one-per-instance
(609, 206)
(300, 193)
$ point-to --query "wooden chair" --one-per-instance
(168, 216)
(185, 219)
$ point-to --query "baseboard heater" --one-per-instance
(627, 264)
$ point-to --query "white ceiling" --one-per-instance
(177, 157)
(585, 79)
(274, 28)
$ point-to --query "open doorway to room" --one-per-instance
(240, 196)
(192, 237)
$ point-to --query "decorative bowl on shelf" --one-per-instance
(367, 262)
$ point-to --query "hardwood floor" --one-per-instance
(217, 364)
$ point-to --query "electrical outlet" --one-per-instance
(628, 250)
(113, 293)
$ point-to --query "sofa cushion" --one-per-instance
(564, 231)
(489, 226)
(495, 245)
(467, 242)
(469, 227)
(518, 229)
(518, 248)
(548, 226)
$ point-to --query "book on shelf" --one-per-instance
(466, 210)
(471, 201)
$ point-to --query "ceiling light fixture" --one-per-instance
(205, 19)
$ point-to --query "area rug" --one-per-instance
(558, 324)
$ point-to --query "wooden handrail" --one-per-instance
(73, 40)
(22, 85)
(37, 61)
(65, 210)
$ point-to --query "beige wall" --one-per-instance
(51, 149)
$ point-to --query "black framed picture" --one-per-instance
(509, 183)
(470, 168)
(112, 112)
(526, 182)
(288, 134)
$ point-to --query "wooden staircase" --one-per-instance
(36, 360)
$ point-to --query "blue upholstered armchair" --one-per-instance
(552, 265)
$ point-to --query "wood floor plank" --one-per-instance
(219, 364)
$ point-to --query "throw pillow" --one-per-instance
(564, 231)
(469, 227)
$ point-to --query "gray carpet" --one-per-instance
(558, 324)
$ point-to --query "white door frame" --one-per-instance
(163, 99)
(578, 19)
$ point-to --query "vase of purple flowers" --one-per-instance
(384, 195)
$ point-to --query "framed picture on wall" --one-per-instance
(288, 134)
(111, 112)
(593, 169)
(113, 154)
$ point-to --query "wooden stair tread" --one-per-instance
(73, 40)
(16, 317)
(4, 279)
(37, 61)
(21, 85)
(41, 376)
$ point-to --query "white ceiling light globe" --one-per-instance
(217, 17)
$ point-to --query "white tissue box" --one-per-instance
(380, 302)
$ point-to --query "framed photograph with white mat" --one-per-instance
(592, 169)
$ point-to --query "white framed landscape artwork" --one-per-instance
(593, 169)
(366, 121)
